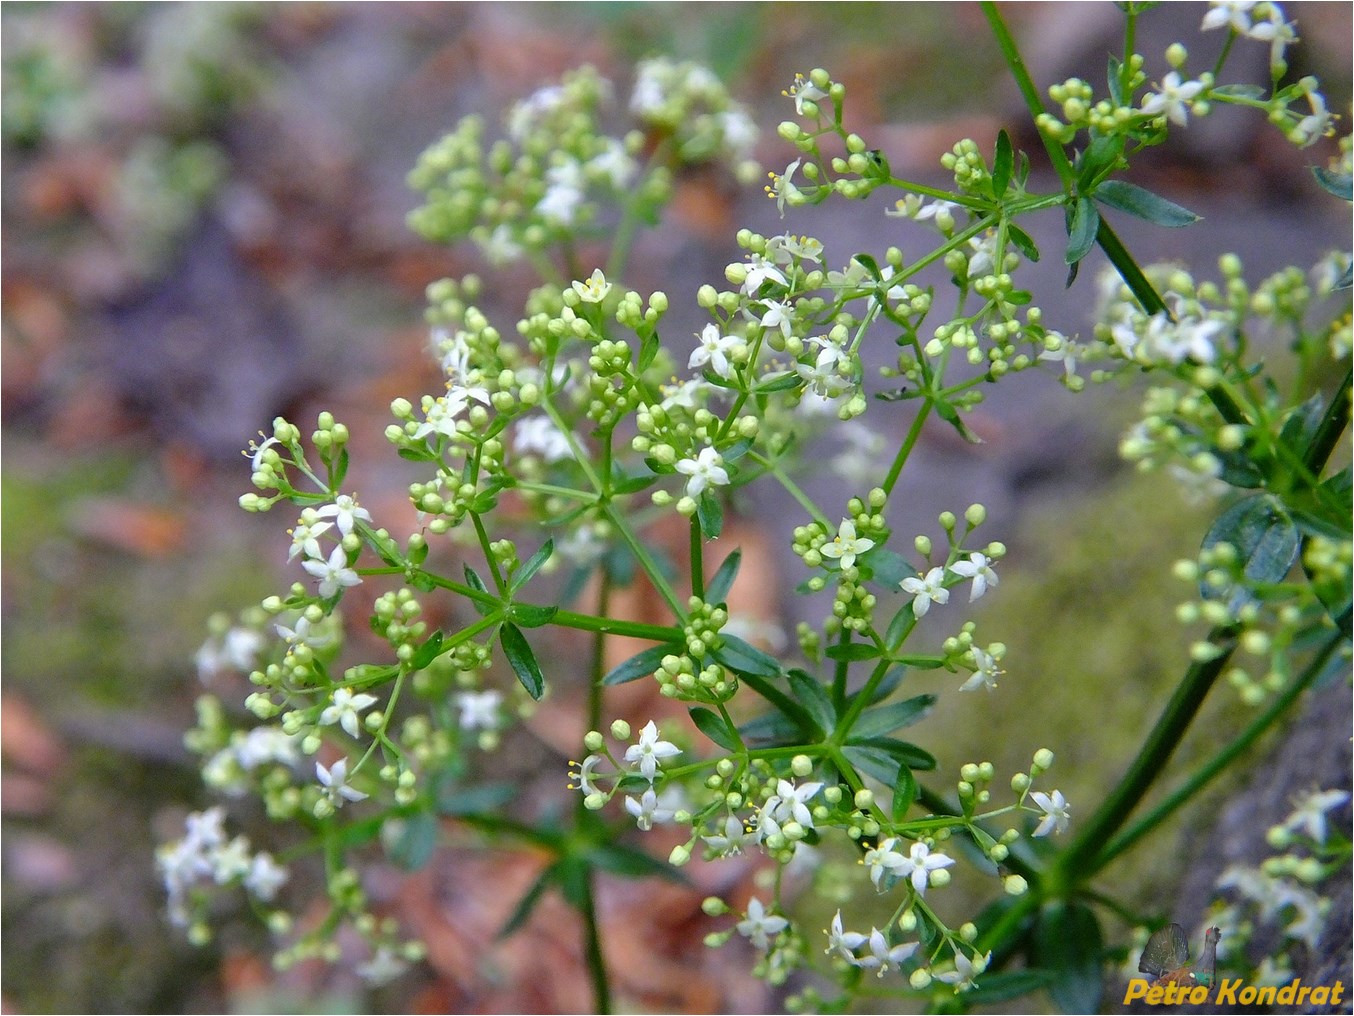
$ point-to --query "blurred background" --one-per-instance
(203, 222)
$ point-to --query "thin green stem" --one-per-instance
(592, 944)
(1214, 766)
(905, 449)
(697, 561)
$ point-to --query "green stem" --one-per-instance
(697, 561)
(1220, 761)
(1328, 432)
(905, 449)
(592, 943)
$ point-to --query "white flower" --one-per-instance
(613, 163)
(784, 248)
(1064, 351)
(760, 270)
(345, 709)
(881, 956)
(582, 547)
(854, 276)
(648, 751)
(263, 745)
(255, 452)
(985, 671)
(732, 840)
(778, 315)
(683, 394)
(499, 247)
(740, 133)
(345, 511)
(305, 537)
(265, 877)
(1235, 14)
(1277, 32)
(978, 567)
(534, 107)
(1313, 127)
(846, 545)
(383, 967)
(563, 194)
(647, 810)
(539, 435)
(924, 590)
(335, 783)
(236, 649)
(479, 710)
(1173, 99)
(884, 859)
(791, 802)
(1055, 809)
(757, 925)
(594, 289)
(783, 190)
(919, 864)
(716, 350)
(333, 574)
(843, 943)
(965, 970)
(1310, 812)
(303, 634)
(584, 775)
(440, 414)
(706, 470)
(803, 91)
(832, 373)
(231, 860)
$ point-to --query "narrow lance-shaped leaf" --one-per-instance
(1081, 229)
(522, 660)
(717, 589)
(1144, 204)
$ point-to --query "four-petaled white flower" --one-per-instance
(1235, 14)
(265, 877)
(965, 970)
(335, 783)
(345, 511)
(594, 289)
(978, 567)
(1173, 99)
(832, 372)
(345, 709)
(843, 943)
(479, 709)
(924, 590)
(333, 574)
(383, 967)
(539, 435)
(647, 810)
(1055, 809)
(790, 803)
(1313, 127)
(758, 926)
(563, 194)
(760, 270)
(706, 470)
(882, 956)
(803, 91)
(716, 350)
(305, 537)
(732, 840)
(985, 671)
(846, 545)
(782, 189)
(1310, 810)
(648, 751)
(778, 315)
(584, 775)
(884, 859)
(919, 864)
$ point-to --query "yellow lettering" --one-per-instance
(1321, 995)
(1155, 994)
(1227, 991)
(1288, 992)
(1247, 994)
(1198, 994)
(1336, 992)
(1303, 992)
(1267, 994)
(1136, 989)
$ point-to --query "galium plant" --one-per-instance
(556, 441)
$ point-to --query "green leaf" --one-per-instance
(631, 863)
(894, 716)
(736, 450)
(717, 589)
(770, 729)
(742, 658)
(882, 766)
(815, 699)
(710, 515)
(777, 383)
(530, 615)
(1144, 204)
(1266, 540)
(1339, 184)
(712, 725)
(904, 793)
(1005, 985)
(1302, 425)
(853, 651)
(648, 349)
(482, 798)
(427, 652)
(950, 415)
(886, 687)
(909, 754)
(522, 660)
(624, 484)
(473, 580)
(1068, 942)
(1114, 79)
(574, 876)
(1081, 230)
(533, 565)
(1002, 160)
(885, 567)
(416, 840)
(1102, 156)
(528, 902)
(642, 664)
(1023, 241)
(893, 636)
